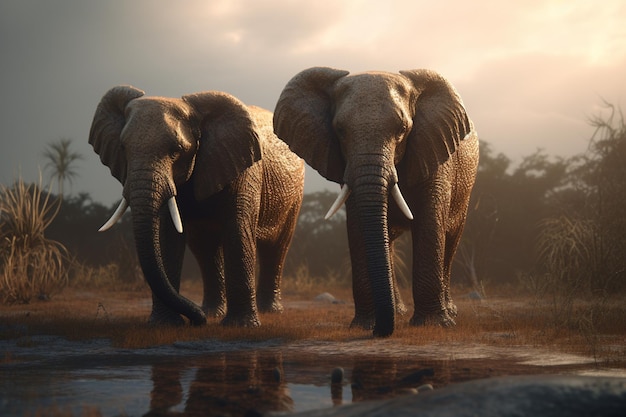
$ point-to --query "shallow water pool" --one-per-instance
(53, 376)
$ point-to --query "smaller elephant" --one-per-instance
(205, 171)
(406, 154)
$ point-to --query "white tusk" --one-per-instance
(119, 212)
(397, 196)
(178, 224)
(341, 198)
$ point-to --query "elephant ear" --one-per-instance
(303, 118)
(106, 127)
(440, 123)
(229, 141)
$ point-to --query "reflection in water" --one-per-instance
(376, 378)
(253, 383)
(336, 392)
(229, 384)
(243, 383)
(167, 391)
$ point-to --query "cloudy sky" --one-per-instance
(530, 72)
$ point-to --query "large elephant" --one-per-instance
(213, 165)
(379, 135)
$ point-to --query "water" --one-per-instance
(216, 384)
(213, 378)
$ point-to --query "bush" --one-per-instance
(30, 265)
(568, 248)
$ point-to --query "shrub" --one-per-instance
(570, 250)
(30, 265)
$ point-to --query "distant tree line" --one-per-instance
(551, 219)
(544, 217)
(76, 227)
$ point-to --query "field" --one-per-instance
(593, 328)
(504, 334)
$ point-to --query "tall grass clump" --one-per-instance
(30, 265)
(570, 249)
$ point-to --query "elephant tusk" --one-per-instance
(404, 207)
(119, 212)
(178, 224)
(341, 198)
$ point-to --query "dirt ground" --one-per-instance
(101, 337)
(494, 328)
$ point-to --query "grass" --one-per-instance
(30, 265)
(504, 320)
(553, 314)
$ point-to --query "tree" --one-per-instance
(76, 227)
(61, 161)
(599, 179)
(507, 207)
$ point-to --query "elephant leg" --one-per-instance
(364, 309)
(429, 280)
(207, 250)
(271, 260)
(361, 288)
(239, 271)
(272, 253)
(400, 306)
(453, 239)
(452, 242)
(239, 247)
(214, 296)
(173, 253)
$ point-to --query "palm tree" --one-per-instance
(61, 161)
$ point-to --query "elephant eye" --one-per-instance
(176, 150)
(404, 128)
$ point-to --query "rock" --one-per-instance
(425, 387)
(475, 295)
(530, 395)
(325, 297)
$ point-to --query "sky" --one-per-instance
(531, 72)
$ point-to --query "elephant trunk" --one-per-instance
(370, 199)
(149, 214)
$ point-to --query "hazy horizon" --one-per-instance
(530, 73)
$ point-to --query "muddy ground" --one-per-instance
(85, 367)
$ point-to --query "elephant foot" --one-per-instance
(442, 319)
(363, 322)
(273, 307)
(452, 309)
(214, 311)
(401, 309)
(248, 320)
(165, 318)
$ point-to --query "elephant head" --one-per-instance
(374, 133)
(155, 146)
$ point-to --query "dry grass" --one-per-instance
(30, 265)
(502, 321)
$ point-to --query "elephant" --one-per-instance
(212, 164)
(384, 136)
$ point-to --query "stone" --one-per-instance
(529, 395)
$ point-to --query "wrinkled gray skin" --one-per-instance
(535, 395)
(238, 189)
(371, 131)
